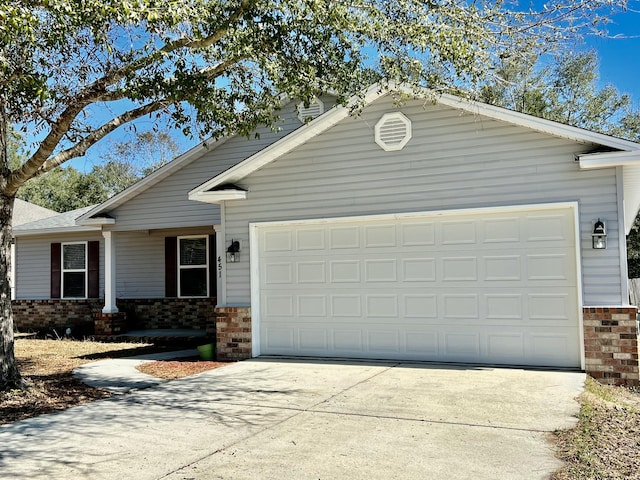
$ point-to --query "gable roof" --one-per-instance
(207, 192)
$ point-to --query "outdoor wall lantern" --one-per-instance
(599, 236)
(233, 252)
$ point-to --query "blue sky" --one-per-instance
(620, 53)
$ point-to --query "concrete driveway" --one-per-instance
(304, 419)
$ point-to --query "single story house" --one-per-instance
(431, 229)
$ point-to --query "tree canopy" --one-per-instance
(73, 71)
(565, 90)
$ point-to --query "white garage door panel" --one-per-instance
(490, 288)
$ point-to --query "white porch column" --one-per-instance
(109, 274)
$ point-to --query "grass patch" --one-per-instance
(606, 442)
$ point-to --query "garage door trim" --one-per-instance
(254, 229)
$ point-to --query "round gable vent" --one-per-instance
(393, 131)
(315, 109)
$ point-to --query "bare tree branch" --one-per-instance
(18, 177)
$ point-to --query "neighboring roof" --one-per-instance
(25, 212)
(60, 223)
(339, 113)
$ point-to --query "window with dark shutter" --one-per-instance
(56, 269)
(171, 266)
(94, 269)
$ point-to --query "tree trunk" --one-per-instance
(9, 375)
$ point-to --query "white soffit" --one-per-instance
(218, 196)
(631, 194)
(609, 159)
(630, 163)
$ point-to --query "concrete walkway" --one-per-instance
(119, 375)
(290, 419)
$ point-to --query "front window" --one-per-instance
(193, 266)
(74, 270)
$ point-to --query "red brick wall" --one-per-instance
(110, 323)
(611, 344)
(37, 315)
(145, 313)
(233, 333)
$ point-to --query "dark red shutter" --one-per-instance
(93, 255)
(56, 269)
(171, 266)
(213, 267)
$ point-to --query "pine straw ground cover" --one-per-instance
(48, 365)
(178, 368)
(605, 445)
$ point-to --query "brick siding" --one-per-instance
(41, 315)
(611, 344)
(192, 313)
(154, 313)
(233, 333)
(110, 323)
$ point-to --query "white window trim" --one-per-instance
(75, 270)
(189, 267)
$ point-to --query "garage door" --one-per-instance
(483, 287)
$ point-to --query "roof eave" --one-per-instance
(55, 230)
(590, 161)
(96, 221)
(535, 123)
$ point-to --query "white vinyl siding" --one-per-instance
(453, 161)
(33, 263)
(139, 265)
(166, 204)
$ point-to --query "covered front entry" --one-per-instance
(484, 286)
